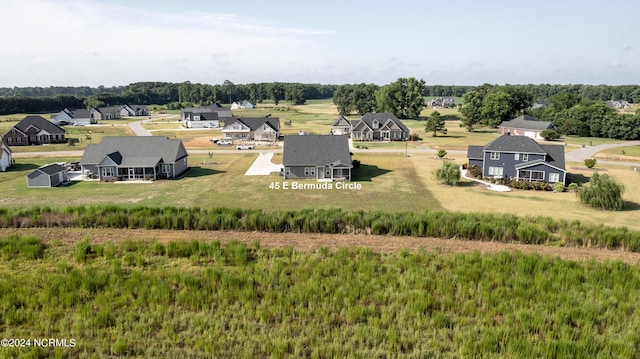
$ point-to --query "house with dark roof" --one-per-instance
(34, 130)
(341, 126)
(252, 129)
(194, 114)
(134, 110)
(519, 158)
(106, 113)
(321, 157)
(525, 125)
(381, 126)
(202, 120)
(243, 104)
(118, 158)
(50, 175)
(441, 102)
(72, 116)
(6, 159)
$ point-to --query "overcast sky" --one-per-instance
(455, 42)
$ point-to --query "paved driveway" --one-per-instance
(263, 166)
(581, 154)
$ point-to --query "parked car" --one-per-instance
(244, 147)
(224, 143)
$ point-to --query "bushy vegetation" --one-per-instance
(602, 192)
(590, 162)
(550, 135)
(448, 173)
(439, 224)
(206, 299)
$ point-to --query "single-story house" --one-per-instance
(378, 127)
(321, 157)
(118, 158)
(341, 126)
(252, 129)
(34, 130)
(519, 158)
(242, 104)
(202, 120)
(106, 113)
(525, 125)
(441, 102)
(50, 175)
(223, 113)
(134, 110)
(72, 116)
(618, 104)
(6, 159)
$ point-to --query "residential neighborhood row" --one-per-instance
(515, 154)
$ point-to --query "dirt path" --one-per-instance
(305, 242)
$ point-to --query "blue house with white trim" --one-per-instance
(519, 158)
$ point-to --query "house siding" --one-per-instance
(180, 166)
(507, 161)
(547, 171)
(297, 172)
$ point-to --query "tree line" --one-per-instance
(571, 113)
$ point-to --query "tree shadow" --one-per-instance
(630, 206)
(22, 167)
(450, 117)
(468, 184)
(449, 136)
(200, 172)
(577, 178)
(364, 173)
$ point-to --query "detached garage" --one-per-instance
(50, 175)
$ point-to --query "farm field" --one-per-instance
(203, 299)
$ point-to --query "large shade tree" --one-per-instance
(403, 98)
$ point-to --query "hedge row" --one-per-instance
(440, 224)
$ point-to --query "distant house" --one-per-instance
(618, 104)
(106, 113)
(540, 104)
(441, 102)
(255, 129)
(321, 157)
(50, 175)
(192, 113)
(72, 116)
(378, 127)
(341, 126)
(519, 158)
(202, 120)
(134, 110)
(6, 159)
(34, 130)
(525, 126)
(242, 104)
(132, 158)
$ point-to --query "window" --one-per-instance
(166, 169)
(375, 124)
(309, 171)
(495, 155)
(19, 140)
(495, 171)
(327, 172)
(531, 175)
(516, 156)
(554, 177)
(9, 140)
(525, 157)
(107, 171)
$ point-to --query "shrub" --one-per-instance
(448, 173)
(442, 153)
(590, 162)
(558, 187)
(550, 135)
(602, 192)
(414, 137)
(474, 171)
(356, 163)
(573, 186)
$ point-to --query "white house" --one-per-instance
(74, 116)
(243, 104)
(5, 157)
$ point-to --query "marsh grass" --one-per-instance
(237, 301)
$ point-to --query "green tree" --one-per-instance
(403, 98)
(295, 94)
(471, 109)
(448, 173)
(549, 135)
(602, 192)
(435, 123)
(276, 92)
(496, 108)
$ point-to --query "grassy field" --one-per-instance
(202, 299)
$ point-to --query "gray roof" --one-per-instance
(527, 122)
(108, 109)
(316, 150)
(555, 155)
(255, 122)
(77, 113)
(384, 118)
(135, 151)
(521, 144)
(51, 169)
(475, 152)
(39, 123)
(341, 121)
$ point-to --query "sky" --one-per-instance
(456, 42)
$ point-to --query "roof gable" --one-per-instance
(383, 118)
(527, 122)
(520, 144)
(39, 123)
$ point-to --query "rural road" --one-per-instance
(583, 153)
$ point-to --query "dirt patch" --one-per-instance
(198, 142)
(309, 242)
